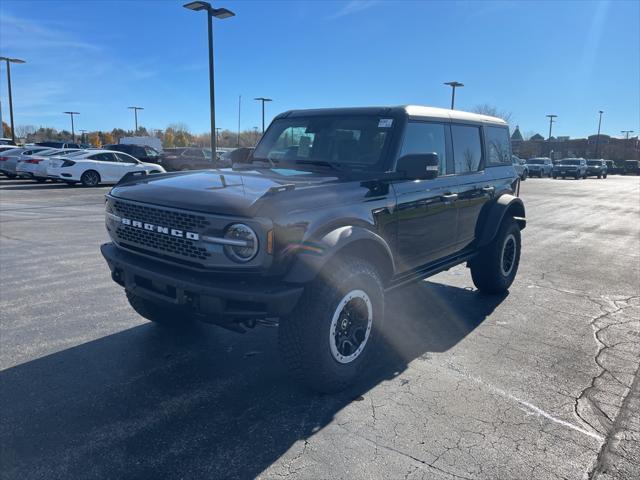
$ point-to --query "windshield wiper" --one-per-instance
(323, 163)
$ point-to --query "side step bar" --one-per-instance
(431, 269)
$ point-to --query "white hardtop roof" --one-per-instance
(445, 113)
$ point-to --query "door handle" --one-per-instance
(488, 189)
(449, 197)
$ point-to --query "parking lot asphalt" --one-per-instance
(540, 383)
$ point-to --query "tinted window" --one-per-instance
(426, 138)
(104, 157)
(498, 144)
(467, 148)
(123, 157)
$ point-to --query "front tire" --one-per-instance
(90, 178)
(496, 265)
(328, 338)
(165, 316)
(524, 176)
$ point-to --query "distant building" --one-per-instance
(563, 147)
(516, 135)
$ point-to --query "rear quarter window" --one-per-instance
(498, 146)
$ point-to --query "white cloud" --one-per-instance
(354, 6)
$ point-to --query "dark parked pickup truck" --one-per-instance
(333, 209)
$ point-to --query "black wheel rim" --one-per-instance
(508, 255)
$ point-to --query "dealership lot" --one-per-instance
(542, 383)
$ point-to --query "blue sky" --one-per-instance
(530, 58)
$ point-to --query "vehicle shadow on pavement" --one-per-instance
(200, 403)
(38, 186)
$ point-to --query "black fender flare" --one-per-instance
(312, 256)
(505, 205)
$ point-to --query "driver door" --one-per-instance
(426, 214)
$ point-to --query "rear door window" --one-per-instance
(467, 148)
(498, 146)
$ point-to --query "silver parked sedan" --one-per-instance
(9, 158)
(35, 166)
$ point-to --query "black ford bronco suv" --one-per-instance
(333, 209)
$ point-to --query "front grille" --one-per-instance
(160, 244)
(157, 216)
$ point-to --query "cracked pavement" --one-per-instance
(541, 383)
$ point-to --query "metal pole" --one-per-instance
(135, 115)
(453, 96)
(598, 137)
(73, 133)
(211, 86)
(263, 117)
(239, 104)
(13, 131)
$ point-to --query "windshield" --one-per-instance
(570, 162)
(594, 162)
(357, 142)
(535, 162)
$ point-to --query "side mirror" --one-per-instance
(240, 155)
(419, 166)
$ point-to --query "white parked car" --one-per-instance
(9, 158)
(35, 166)
(93, 167)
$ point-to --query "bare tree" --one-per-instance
(22, 131)
(486, 109)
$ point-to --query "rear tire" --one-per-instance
(90, 178)
(496, 265)
(328, 339)
(160, 314)
(604, 176)
(524, 176)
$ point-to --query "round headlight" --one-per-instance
(243, 242)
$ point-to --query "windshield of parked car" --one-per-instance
(535, 162)
(594, 162)
(355, 142)
(569, 162)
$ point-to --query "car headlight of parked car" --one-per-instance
(241, 242)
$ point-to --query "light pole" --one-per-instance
(218, 134)
(220, 13)
(73, 133)
(9, 62)
(239, 106)
(626, 143)
(135, 114)
(598, 137)
(263, 99)
(453, 86)
(255, 135)
(551, 121)
(83, 132)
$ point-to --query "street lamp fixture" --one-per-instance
(263, 100)
(220, 13)
(453, 86)
(73, 133)
(135, 114)
(9, 62)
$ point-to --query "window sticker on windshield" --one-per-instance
(385, 123)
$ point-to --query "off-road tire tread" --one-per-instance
(296, 331)
(485, 268)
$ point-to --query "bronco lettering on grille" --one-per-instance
(160, 229)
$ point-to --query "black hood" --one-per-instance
(227, 192)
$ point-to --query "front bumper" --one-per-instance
(209, 294)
